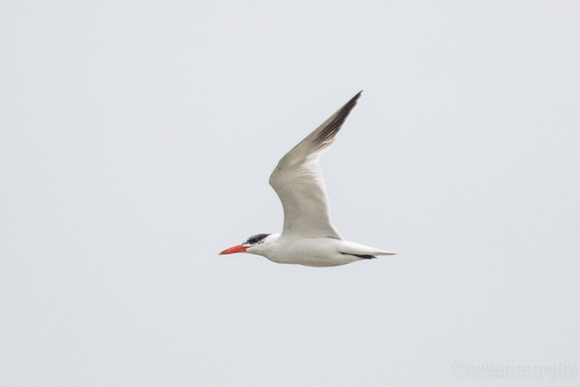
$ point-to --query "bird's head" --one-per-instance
(254, 245)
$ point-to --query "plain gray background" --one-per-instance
(137, 139)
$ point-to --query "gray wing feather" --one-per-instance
(299, 183)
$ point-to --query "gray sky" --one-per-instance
(136, 143)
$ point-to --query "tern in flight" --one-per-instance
(308, 237)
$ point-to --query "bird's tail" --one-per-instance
(382, 252)
(362, 250)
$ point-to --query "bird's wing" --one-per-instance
(299, 183)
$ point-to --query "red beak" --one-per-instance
(235, 249)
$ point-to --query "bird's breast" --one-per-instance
(318, 252)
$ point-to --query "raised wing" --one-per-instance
(299, 183)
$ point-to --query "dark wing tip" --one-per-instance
(327, 134)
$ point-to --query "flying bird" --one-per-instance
(308, 237)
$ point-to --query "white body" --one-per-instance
(317, 252)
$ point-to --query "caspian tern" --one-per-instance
(308, 238)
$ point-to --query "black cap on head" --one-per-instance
(255, 239)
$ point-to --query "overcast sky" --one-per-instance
(136, 142)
